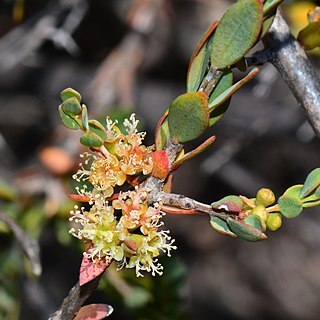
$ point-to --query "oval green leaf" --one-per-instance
(312, 182)
(188, 116)
(68, 121)
(245, 231)
(91, 139)
(232, 90)
(290, 206)
(70, 93)
(256, 222)
(71, 107)
(197, 69)
(96, 127)
(236, 33)
(222, 227)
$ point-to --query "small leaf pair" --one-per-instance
(75, 116)
(248, 229)
(292, 202)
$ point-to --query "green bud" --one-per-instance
(261, 212)
(71, 107)
(91, 139)
(274, 221)
(70, 93)
(265, 197)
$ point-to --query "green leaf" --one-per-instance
(71, 107)
(236, 33)
(245, 231)
(294, 191)
(290, 206)
(312, 182)
(70, 93)
(68, 121)
(255, 221)
(96, 127)
(315, 196)
(229, 204)
(91, 139)
(163, 136)
(188, 116)
(232, 90)
(270, 4)
(197, 70)
(203, 146)
(218, 113)
(84, 118)
(206, 37)
(309, 37)
(267, 22)
(224, 83)
(222, 227)
(311, 204)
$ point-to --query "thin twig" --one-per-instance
(75, 299)
(30, 247)
(293, 65)
(210, 81)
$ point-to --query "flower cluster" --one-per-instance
(121, 227)
(121, 156)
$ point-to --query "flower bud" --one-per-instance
(265, 197)
(274, 221)
(261, 212)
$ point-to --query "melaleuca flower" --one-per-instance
(117, 237)
(147, 250)
(99, 227)
(105, 173)
(136, 212)
(123, 155)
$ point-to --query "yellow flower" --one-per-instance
(105, 173)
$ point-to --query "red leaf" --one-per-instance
(94, 312)
(89, 270)
(161, 164)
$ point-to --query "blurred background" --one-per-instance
(131, 56)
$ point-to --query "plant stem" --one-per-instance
(294, 67)
(210, 81)
(75, 299)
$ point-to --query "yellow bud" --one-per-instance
(274, 221)
(265, 197)
(261, 212)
